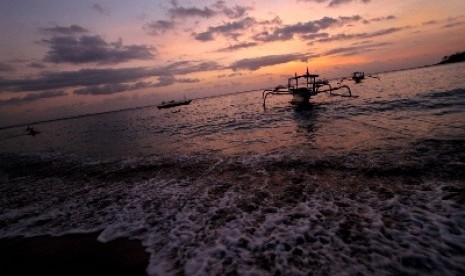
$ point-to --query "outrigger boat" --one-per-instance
(174, 103)
(310, 87)
(357, 77)
(31, 131)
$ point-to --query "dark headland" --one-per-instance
(457, 57)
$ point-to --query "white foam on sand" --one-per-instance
(197, 231)
(247, 223)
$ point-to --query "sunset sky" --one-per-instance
(62, 58)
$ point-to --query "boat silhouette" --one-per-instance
(174, 103)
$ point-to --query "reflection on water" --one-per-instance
(367, 185)
(393, 112)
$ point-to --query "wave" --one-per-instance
(259, 214)
(425, 157)
(369, 185)
(426, 102)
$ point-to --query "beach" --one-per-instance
(370, 185)
(71, 254)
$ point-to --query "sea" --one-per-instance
(373, 184)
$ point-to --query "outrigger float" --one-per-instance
(310, 87)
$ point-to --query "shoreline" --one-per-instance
(72, 254)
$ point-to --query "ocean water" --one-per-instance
(372, 184)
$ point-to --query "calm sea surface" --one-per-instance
(372, 184)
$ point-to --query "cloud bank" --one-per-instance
(95, 79)
(62, 30)
(230, 29)
(32, 98)
(304, 29)
(336, 3)
(87, 49)
(253, 64)
(343, 37)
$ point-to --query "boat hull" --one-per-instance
(301, 96)
(174, 104)
(358, 77)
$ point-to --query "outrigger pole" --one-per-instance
(302, 95)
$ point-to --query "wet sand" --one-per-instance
(73, 254)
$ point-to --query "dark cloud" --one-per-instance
(183, 12)
(236, 11)
(103, 89)
(86, 49)
(355, 50)
(179, 13)
(37, 65)
(238, 46)
(314, 36)
(259, 62)
(187, 67)
(165, 81)
(108, 89)
(304, 29)
(452, 24)
(205, 36)
(431, 22)
(230, 29)
(379, 19)
(447, 23)
(232, 75)
(340, 37)
(336, 3)
(159, 26)
(170, 80)
(90, 78)
(32, 97)
(316, 1)
(218, 8)
(348, 19)
(99, 8)
(363, 42)
(64, 79)
(275, 21)
(60, 30)
(6, 67)
(232, 13)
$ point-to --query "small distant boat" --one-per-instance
(358, 76)
(31, 131)
(174, 103)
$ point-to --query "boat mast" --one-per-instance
(296, 81)
(306, 76)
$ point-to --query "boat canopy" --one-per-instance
(310, 80)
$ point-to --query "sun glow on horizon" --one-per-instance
(76, 54)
